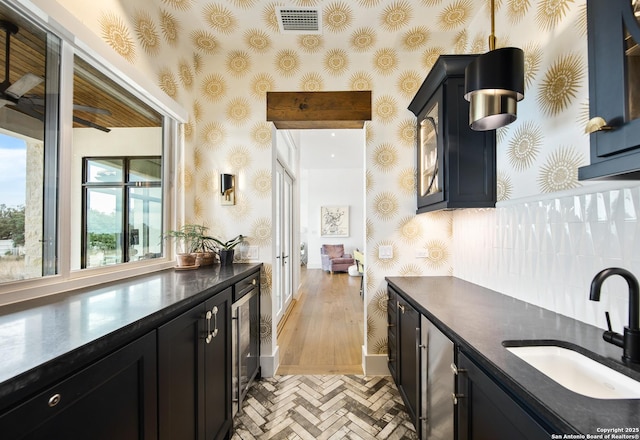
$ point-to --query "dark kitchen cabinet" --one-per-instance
(392, 333)
(456, 166)
(408, 357)
(407, 361)
(486, 411)
(420, 358)
(194, 372)
(614, 89)
(113, 398)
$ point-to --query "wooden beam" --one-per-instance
(310, 110)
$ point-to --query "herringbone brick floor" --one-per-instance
(323, 407)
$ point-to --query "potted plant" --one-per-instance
(226, 248)
(191, 244)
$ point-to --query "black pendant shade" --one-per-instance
(493, 84)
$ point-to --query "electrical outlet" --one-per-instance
(422, 253)
(385, 252)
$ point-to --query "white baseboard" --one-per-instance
(374, 364)
(269, 364)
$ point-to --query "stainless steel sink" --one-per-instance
(577, 372)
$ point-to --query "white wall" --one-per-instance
(334, 188)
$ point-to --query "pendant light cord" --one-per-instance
(492, 37)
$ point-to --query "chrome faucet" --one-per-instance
(630, 341)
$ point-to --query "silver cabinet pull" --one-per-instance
(213, 313)
(254, 282)
(215, 321)
(456, 370)
(54, 400)
(208, 318)
(455, 397)
(401, 307)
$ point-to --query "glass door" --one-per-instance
(284, 240)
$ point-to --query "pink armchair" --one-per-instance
(334, 259)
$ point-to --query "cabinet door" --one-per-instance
(181, 348)
(194, 368)
(614, 73)
(408, 359)
(392, 334)
(486, 412)
(114, 398)
(431, 153)
(217, 376)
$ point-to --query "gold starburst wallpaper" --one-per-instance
(219, 58)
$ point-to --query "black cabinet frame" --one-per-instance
(466, 158)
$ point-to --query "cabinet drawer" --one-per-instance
(115, 398)
(246, 285)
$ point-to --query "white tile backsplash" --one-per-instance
(547, 251)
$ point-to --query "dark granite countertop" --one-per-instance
(45, 339)
(480, 319)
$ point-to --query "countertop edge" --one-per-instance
(21, 386)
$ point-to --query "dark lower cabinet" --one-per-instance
(392, 338)
(403, 338)
(407, 365)
(487, 412)
(194, 372)
(114, 398)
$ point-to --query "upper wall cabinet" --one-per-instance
(456, 165)
(614, 89)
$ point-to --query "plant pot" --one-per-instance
(226, 256)
(186, 260)
(205, 258)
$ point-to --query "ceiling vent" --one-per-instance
(299, 20)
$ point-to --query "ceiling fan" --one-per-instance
(14, 95)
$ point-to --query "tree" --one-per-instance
(12, 224)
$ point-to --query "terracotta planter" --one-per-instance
(205, 258)
(226, 257)
(186, 260)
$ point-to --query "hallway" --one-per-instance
(323, 333)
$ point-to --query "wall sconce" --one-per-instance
(227, 189)
(493, 84)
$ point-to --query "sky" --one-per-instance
(13, 169)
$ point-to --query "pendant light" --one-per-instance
(493, 84)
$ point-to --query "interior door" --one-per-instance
(283, 274)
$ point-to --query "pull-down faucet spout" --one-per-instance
(630, 342)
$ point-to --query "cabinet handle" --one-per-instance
(455, 397)
(215, 321)
(457, 370)
(401, 307)
(254, 282)
(54, 400)
(209, 337)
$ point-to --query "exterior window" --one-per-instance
(28, 149)
(122, 215)
(83, 153)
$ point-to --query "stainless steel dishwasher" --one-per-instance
(437, 383)
(245, 312)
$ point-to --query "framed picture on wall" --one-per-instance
(334, 221)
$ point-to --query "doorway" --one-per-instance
(329, 171)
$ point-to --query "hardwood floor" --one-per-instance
(324, 331)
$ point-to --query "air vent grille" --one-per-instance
(299, 20)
